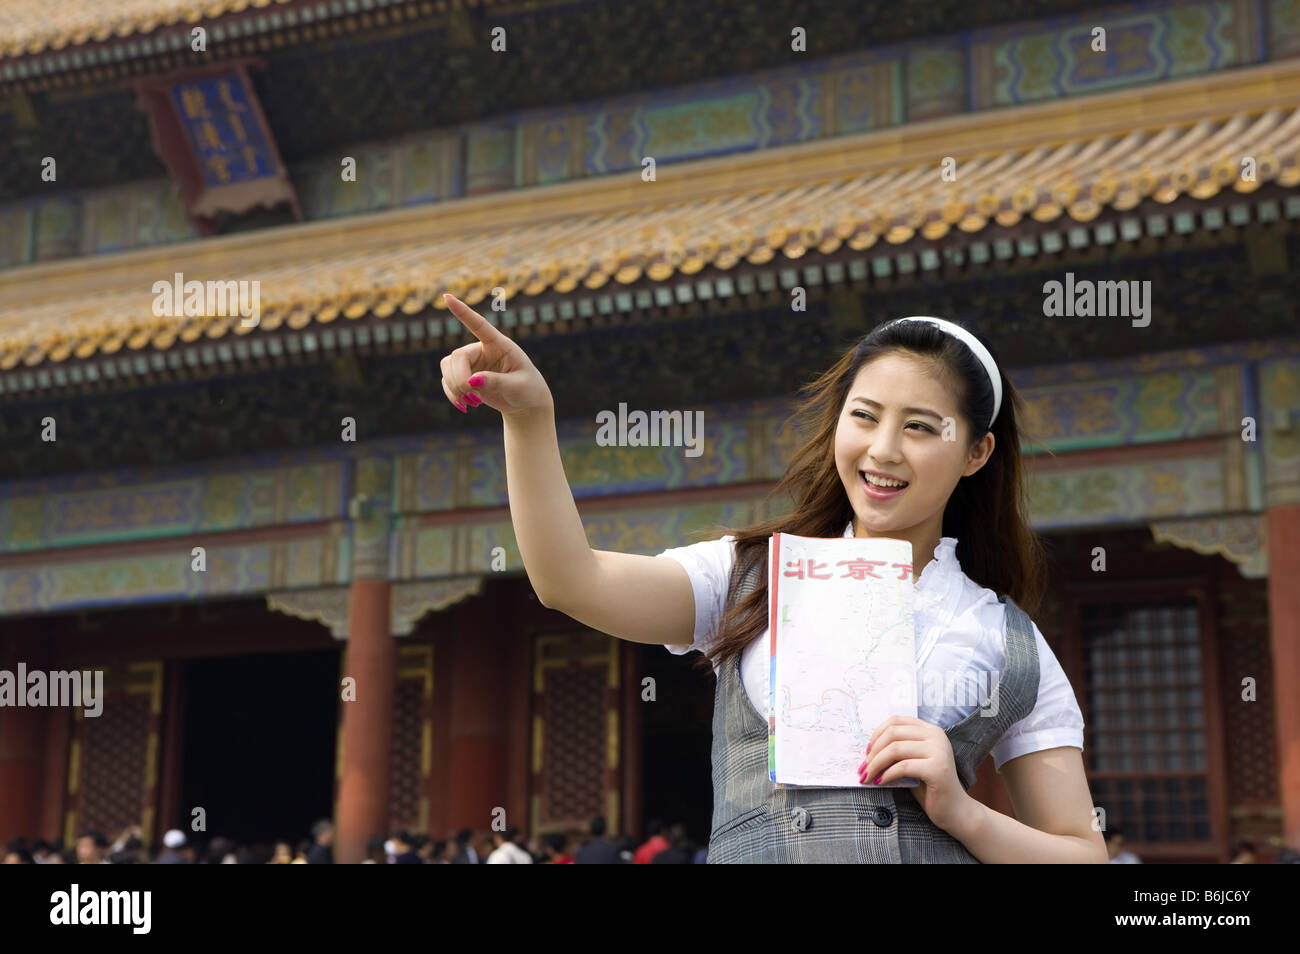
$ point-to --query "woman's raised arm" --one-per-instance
(643, 599)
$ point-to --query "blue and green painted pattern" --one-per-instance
(1283, 28)
(163, 574)
(832, 96)
(1203, 396)
(1029, 62)
(1279, 449)
(38, 515)
(1165, 406)
(1127, 493)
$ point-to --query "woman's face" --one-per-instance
(877, 433)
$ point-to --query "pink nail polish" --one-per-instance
(473, 400)
(877, 782)
(475, 380)
(462, 408)
(868, 748)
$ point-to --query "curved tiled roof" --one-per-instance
(29, 27)
(33, 26)
(1074, 179)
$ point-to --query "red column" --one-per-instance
(170, 812)
(1283, 531)
(22, 751)
(22, 766)
(58, 734)
(444, 681)
(367, 722)
(477, 755)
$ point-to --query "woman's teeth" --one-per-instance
(884, 482)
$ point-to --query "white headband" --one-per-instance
(976, 348)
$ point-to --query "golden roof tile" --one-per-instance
(33, 26)
(316, 278)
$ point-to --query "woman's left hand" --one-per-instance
(903, 747)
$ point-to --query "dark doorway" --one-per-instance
(677, 738)
(257, 750)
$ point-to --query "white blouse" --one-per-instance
(959, 629)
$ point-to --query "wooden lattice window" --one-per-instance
(575, 707)
(117, 746)
(575, 752)
(408, 725)
(1146, 747)
(408, 792)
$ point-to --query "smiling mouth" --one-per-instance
(880, 490)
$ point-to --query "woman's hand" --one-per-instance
(492, 371)
(904, 747)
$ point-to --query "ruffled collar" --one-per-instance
(943, 565)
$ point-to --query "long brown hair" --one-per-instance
(987, 512)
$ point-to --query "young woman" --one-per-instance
(915, 438)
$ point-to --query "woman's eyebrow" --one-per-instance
(907, 410)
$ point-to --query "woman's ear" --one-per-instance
(979, 454)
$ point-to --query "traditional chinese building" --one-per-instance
(247, 499)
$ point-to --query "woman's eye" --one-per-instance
(868, 417)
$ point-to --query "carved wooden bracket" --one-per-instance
(1240, 539)
(408, 602)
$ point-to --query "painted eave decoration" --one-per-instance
(878, 189)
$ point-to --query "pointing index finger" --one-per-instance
(480, 327)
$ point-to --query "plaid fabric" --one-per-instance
(756, 822)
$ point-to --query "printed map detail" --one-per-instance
(843, 653)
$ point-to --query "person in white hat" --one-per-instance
(176, 848)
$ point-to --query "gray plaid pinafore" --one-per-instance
(756, 822)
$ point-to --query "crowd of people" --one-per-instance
(1244, 852)
(663, 845)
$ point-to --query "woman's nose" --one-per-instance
(885, 445)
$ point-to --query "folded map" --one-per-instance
(843, 654)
